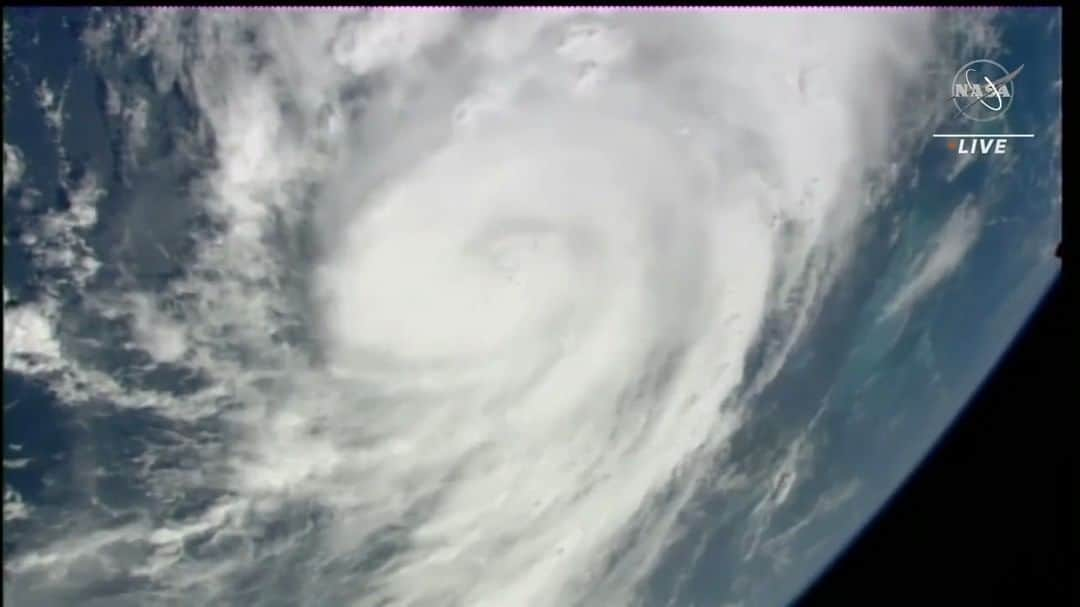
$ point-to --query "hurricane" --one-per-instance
(454, 307)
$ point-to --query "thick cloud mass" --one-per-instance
(554, 312)
(544, 246)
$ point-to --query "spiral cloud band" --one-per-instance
(554, 312)
(541, 248)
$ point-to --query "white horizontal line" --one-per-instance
(985, 136)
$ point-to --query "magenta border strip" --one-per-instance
(747, 8)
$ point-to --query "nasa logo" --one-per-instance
(983, 90)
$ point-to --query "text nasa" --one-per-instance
(982, 145)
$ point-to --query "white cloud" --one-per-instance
(30, 345)
(157, 334)
(13, 166)
(14, 507)
(947, 250)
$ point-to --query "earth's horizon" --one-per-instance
(499, 308)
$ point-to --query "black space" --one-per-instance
(989, 516)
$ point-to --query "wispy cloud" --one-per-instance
(945, 253)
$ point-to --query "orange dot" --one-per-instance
(952, 144)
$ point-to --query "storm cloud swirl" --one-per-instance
(473, 317)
